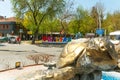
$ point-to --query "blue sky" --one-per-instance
(109, 5)
(6, 8)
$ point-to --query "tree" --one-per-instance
(111, 23)
(82, 22)
(73, 26)
(116, 20)
(67, 14)
(94, 15)
(50, 25)
(47, 26)
(100, 11)
(98, 14)
(107, 24)
(38, 9)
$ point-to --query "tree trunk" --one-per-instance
(34, 36)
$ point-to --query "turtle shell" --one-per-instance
(70, 52)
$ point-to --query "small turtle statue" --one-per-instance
(85, 60)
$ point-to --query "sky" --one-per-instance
(109, 5)
(6, 8)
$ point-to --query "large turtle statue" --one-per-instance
(84, 60)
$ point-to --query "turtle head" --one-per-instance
(104, 45)
(100, 44)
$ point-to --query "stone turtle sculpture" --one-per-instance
(83, 60)
(86, 60)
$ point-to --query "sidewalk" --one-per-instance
(13, 74)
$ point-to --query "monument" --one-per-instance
(84, 60)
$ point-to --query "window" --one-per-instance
(7, 27)
(3, 26)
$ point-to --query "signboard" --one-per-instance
(100, 31)
(21, 30)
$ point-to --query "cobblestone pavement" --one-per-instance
(12, 53)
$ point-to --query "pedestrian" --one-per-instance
(19, 39)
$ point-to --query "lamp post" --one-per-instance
(20, 31)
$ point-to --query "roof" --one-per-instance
(115, 33)
(10, 19)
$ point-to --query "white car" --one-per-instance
(12, 39)
(115, 37)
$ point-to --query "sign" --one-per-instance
(29, 32)
(100, 31)
(21, 30)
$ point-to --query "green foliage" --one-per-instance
(50, 26)
(94, 15)
(73, 26)
(44, 16)
(28, 22)
(50, 7)
(82, 23)
(112, 22)
(34, 12)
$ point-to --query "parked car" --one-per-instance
(12, 39)
(3, 39)
(115, 37)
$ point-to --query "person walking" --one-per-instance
(19, 39)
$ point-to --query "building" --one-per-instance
(9, 26)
